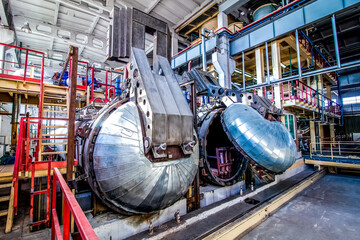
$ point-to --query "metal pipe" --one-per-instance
(298, 52)
(336, 43)
(309, 74)
(203, 47)
(267, 62)
(243, 70)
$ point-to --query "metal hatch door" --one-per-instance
(267, 143)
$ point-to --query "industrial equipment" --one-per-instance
(140, 154)
(231, 133)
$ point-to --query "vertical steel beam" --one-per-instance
(298, 52)
(336, 43)
(243, 70)
(267, 63)
(72, 110)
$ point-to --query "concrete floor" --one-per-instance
(329, 209)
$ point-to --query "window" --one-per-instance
(351, 100)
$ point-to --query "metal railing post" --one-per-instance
(26, 62)
(298, 53)
(331, 151)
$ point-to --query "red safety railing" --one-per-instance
(71, 206)
(269, 92)
(27, 71)
(331, 106)
(109, 89)
(300, 91)
(27, 150)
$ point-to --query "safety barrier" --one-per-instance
(301, 92)
(71, 206)
(335, 149)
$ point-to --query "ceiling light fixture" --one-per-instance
(26, 28)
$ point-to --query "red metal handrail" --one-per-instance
(22, 160)
(302, 92)
(70, 206)
(109, 88)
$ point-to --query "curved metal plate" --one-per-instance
(125, 177)
(239, 163)
(267, 143)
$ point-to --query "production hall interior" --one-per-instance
(179, 119)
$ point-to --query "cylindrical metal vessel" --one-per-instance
(222, 163)
(118, 170)
(264, 10)
(247, 136)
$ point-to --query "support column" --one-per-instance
(312, 135)
(222, 20)
(276, 69)
(259, 61)
(222, 61)
(15, 120)
(174, 44)
(328, 91)
(72, 111)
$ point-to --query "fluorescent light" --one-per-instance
(282, 65)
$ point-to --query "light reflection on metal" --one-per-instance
(267, 143)
(123, 177)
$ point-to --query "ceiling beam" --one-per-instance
(71, 40)
(205, 5)
(231, 5)
(56, 11)
(84, 7)
(93, 25)
(152, 4)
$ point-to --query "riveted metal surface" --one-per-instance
(267, 143)
(124, 178)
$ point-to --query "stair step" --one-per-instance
(56, 111)
(5, 185)
(53, 126)
(53, 153)
(4, 198)
(56, 143)
(53, 135)
(55, 104)
(3, 213)
(56, 97)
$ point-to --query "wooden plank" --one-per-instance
(4, 198)
(55, 104)
(55, 111)
(10, 212)
(55, 135)
(54, 126)
(333, 164)
(53, 153)
(56, 143)
(6, 170)
(71, 114)
(5, 185)
(3, 213)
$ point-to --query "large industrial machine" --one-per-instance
(140, 153)
(231, 133)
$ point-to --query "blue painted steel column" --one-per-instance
(298, 52)
(336, 43)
